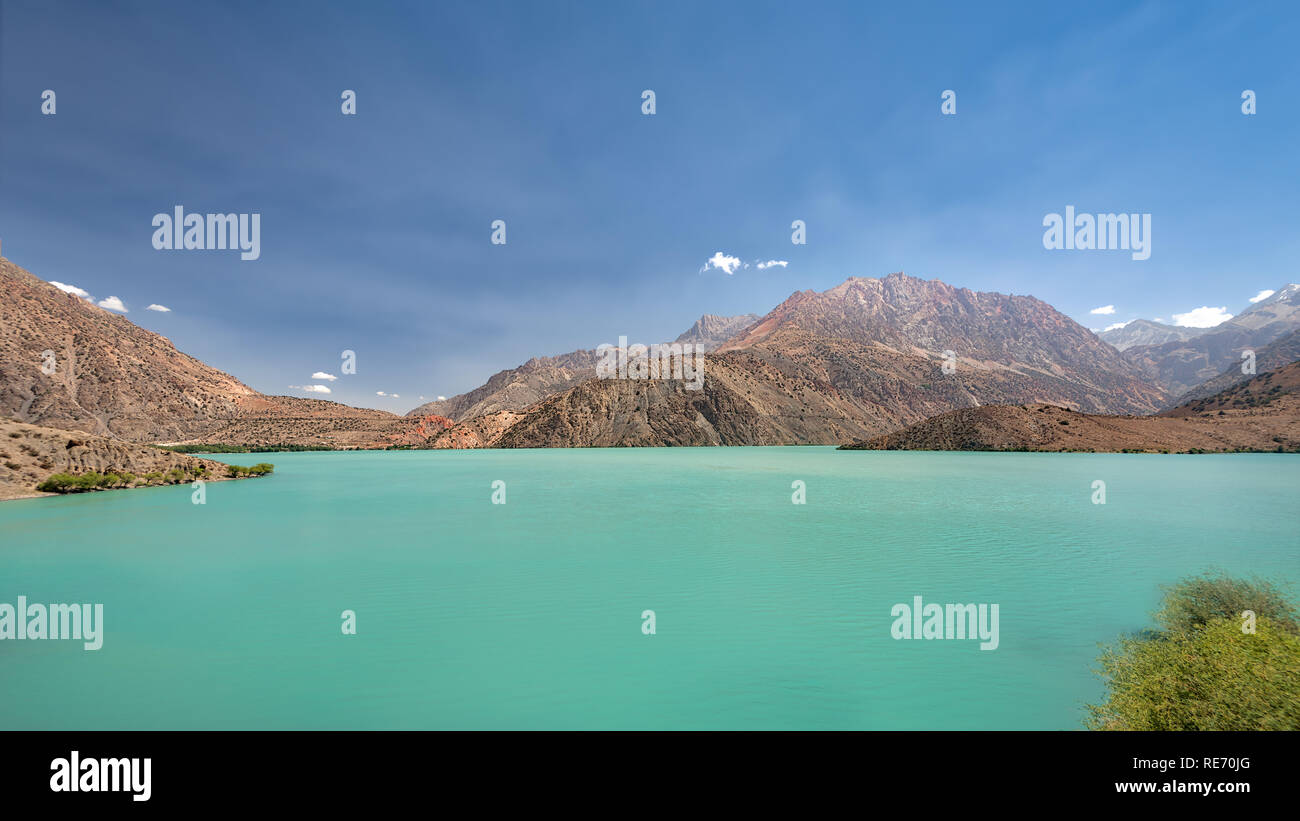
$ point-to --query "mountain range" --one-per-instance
(870, 356)
(1259, 414)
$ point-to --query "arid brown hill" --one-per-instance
(29, 454)
(1262, 414)
(113, 378)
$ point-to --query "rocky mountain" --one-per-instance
(545, 376)
(1262, 414)
(1147, 332)
(1013, 344)
(860, 359)
(1179, 366)
(109, 377)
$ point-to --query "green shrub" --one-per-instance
(1202, 670)
(1200, 600)
(1211, 678)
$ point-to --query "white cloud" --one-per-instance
(772, 262)
(312, 388)
(71, 289)
(1261, 296)
(397, 396)
(1105, 310)
(156, 307)
(722, 262)
(380, 393)
(1159, 319)
(112, 303)
(1116, 325)
(1202, 317)
(442, 399)
(329, 377)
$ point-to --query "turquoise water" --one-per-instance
(528, 614)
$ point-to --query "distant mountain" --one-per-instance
(864, 357)
(1179, 366)
(113, 378)
(544, 376)
(1147, 332)
(1262, 414)
(1270, 357)
(1280, 308)
(712, 331)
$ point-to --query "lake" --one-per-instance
(529, 614)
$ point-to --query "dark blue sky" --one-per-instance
(375, 228)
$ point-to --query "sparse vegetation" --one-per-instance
(109, 479)
(220, 448)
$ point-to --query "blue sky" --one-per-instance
(375, 228)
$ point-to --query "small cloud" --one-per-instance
(772, 262)
(1115, 326)
(161, 308)
(442, 399)
(71, 289)
(726, 264)
(1202, 317)
(380, 393)
(421, 398)
(1105, 310)
(1261, 296)
(1159, 319)
(329, 377)
(112, 303)
(397, 396)
(311, 388)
